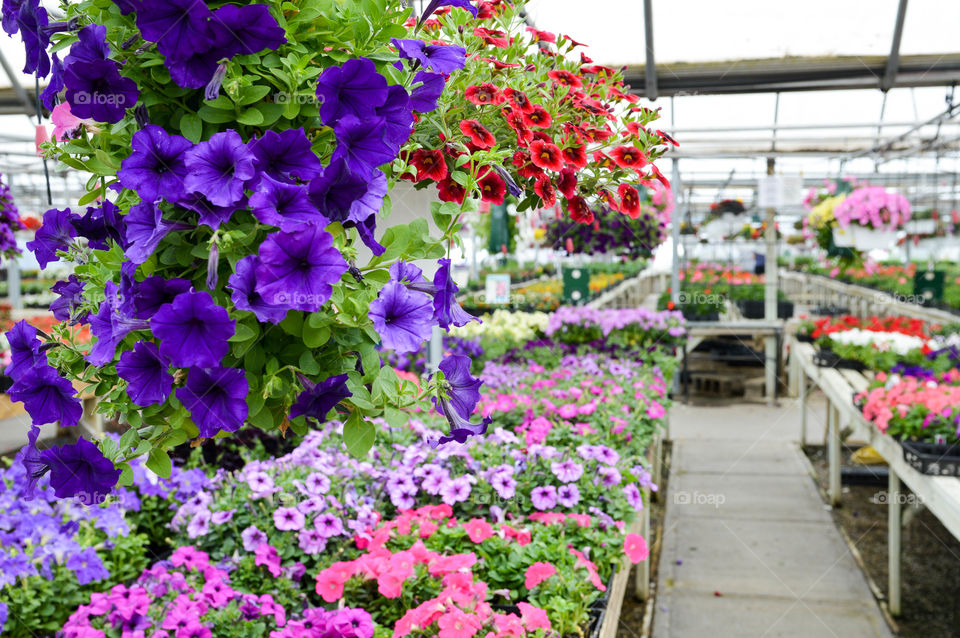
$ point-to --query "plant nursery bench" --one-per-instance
(939, 494)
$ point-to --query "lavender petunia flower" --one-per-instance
(288, 519)
(544, 497)
(317, 399)
(568, 495)
(609, 476)
(193, 330)
(329, 525)
(220, 168)
(286, 155)
(403, 318)
(634, 497)
(146, 372)
(504, 484)
(298, 270)
(286, 206)
(156, 168)
(252, 538)
(87, 566)
(355, 88)
(80, 469)
(567, 471)
(311, 541)
(216, 399)
(55, 233)
(456, 490)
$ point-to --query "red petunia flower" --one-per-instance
(497, 64)
(573, 43)
(566, 79)
(515, 121)
(518, 99)
(667, 138)
(546, 155)
(478, 135)
(548, 194)
(492, 187)
(595, 134)
(450, 191)
(584, 59)
(607, 198)
(430, 164)
(602, 160)
(483, 94)
(628, 157)
(543, 137)
(579, 210)
(542, 36)
(485, 11)
(567, 184)
(526, 168)
(629, 200)
(660, 176)
(493, 37)
(575, 156)
(538, 116)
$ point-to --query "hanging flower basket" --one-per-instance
(843, 238)
(871, 238)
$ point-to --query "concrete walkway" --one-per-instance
(749, 548)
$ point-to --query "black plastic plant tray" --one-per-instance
(830, 359)
(935, 459)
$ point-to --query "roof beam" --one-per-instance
(893, 60)
(650, 69)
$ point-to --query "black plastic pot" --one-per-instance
(935, 459)
(803, 338)
(756, 309)
(826, 358)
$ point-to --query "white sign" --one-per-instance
(777, 191)
(498, 289)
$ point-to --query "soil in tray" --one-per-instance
(632, 614)
(930, 561)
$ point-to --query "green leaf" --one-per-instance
(159, 461)
(192, 127)
(126, 476)
(244, 333)
(176, 437)
(308, 364)
(262, 419)
(130, 438)
(215, 116)
(359, 435)
(395, 417)
(315, 337)
(89, 197)
(251, 117)
(253, 94)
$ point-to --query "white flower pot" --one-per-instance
(872, 239)
(843, 237)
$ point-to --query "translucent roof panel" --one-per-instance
(705, 30)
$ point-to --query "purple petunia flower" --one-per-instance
(317, 399)
(193, 330)
(427, 88)
(221, 517)
(101, 223)
(343, 196)
(97, 91)
(145, 229)
(433, 57)
(245, 297)
(110, 326)
(252, 538)
(286, 155)
(146, 372)
(24, 350)
(286, 206)
(80, 469)
(55, 233)
(461, 388)
(87, 566)
(216, 399)
(436, 4)
(504, 484)
(47, 397)
(251, 27)
(567, 471)
(155, 291)
(317, 484)
(544, 497)
(156, 168)
(397, 117)
(71, 298)
(446, 309)
(50, 95)
(260, 483)
(355, 88)
(403, 318)
(329, 525)
(568, 495)
(220, 168)
(288, 519)
(32, 23)
(210, 215)
(360, 143)
(298, 270)
(199, 524)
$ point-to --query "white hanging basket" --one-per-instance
(872, 239)
(843, 237)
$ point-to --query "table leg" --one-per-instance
(802, 393)
(833, 452)
(894, 530)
